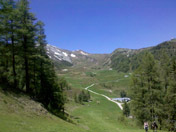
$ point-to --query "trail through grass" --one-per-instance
(21, 114)
(119, 104)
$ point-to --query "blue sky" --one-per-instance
(101, 26)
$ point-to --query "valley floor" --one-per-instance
(88, 89)
(21, 114)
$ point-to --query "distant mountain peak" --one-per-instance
(75, 58)
(122, 59)
(81, 52)
(173, 40)
(57, 54)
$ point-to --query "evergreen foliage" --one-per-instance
(123, 94)
(170, 99)
(154, 91)
(126, 109)
(127, 60)
(24, 65)
(83, 96)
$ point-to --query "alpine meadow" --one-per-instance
(87, 66)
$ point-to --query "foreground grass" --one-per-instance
(100, 115)
(20, 114)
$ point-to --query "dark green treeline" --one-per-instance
(154, 91)
(24, 65)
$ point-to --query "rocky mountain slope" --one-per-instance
(77, 58)
(121, 59)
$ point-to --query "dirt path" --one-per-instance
(119, 104)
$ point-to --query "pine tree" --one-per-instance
(23, 59)
(147, 98)
(39, 58)
(126, 109)
(164, 66)
(3, 45)
(8, 39)
(170, 99)
(26, 34)
(123, 94)
(164, 63)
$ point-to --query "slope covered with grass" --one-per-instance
(100, 115)
(18, 113)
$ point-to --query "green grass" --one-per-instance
(18, 114)
(110, 83)
(100, 115)
(21, 114)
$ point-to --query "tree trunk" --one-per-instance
(13, 60)
(28, 90)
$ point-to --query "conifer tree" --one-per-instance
(126, 109)
(8, 39)
(170, 99)
(40, 57)
(147, 98)
(23, 59)
(26, 34)
(165, 68)
(164, 63)
(13, 37)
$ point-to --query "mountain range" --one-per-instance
(78, 58)
(121, 59)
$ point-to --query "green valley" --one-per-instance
(19, 113)
(44, 88)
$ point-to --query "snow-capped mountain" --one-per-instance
(121, 59)
(74, 58)
(59, 54)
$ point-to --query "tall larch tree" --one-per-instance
(26, 34)
(170, 99)
(147, 98)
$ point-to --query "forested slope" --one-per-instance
(153, 91)
(126, 60)
(24, 65)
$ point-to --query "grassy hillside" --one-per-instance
(108, 82)
(99, 115)
(21, 114)
(125, 60)
(18, 113)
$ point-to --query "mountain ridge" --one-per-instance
(120, 56)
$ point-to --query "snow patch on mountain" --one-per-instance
(57, 57)
(83, 53)
(65, 53)
(72, 55)
(58, 50)
(57, 53)
(78, 57)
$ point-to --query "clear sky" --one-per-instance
(101, 26)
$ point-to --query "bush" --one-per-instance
(82, 97)
(126, 109)
(123, 94)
